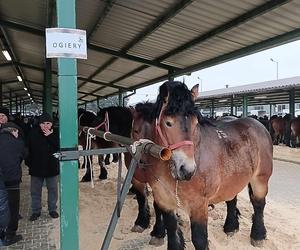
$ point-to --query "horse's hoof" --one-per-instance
(230, 234)
(137, 229)
(103, 177)
(85, 179)
(156, 241)
(257, 243)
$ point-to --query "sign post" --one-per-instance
(66, 43)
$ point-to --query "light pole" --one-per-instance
(276, 66)
(200, 83)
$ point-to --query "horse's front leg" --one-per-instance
(103, 171)
(87, 175)
(143, 219)
(199, 218)
(159, 230)
(174, 233)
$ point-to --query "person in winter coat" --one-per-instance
(42, 143)
(4, 115)
(12, 152)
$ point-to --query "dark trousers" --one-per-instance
(36, 193)
(14, 207)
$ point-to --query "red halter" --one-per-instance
(163, 138)
(105, 123)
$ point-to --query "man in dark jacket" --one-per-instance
(12, 152)
(43, 166)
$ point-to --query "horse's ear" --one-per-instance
(194, 91)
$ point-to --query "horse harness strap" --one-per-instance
(105, 123)
(163, 138)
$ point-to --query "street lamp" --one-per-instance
(276, 66)
(200, 83)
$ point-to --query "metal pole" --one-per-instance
(67, 89)
(292, 102)
(10, 101)
(245, 106)
(231, 105)
(47, 95)
(120, 98)
(115, 216)
(212, 109)
(1, 93)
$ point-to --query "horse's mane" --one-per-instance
(145, 110)
(87, 118)
(180, 99)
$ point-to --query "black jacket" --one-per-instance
(12, 152)
(41, 161)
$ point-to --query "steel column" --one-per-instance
(270, 111)
(212, 109)
(292, 102)
(231, 105)
(245, 106)
(68, 124)
(1, 90)
(120, 98)
(10, 102)
(16, 104)
(47, 95)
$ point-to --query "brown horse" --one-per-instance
(295, 132)
(210, 164)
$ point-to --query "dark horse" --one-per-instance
(119, 122)
(210, 164)
(295, 132)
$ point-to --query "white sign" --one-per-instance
(63, 42)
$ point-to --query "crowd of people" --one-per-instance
(32, 142)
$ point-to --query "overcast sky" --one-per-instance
(249, 69)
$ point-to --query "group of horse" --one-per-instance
(285, 130)
(211, 162)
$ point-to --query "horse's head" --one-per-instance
(176, 123)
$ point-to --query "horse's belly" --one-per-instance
(229, 189)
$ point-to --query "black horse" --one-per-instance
(119, 121)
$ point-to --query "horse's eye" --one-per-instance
(168, 124)
(136, 131)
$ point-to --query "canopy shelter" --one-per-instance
(132, 43)
(282, 91)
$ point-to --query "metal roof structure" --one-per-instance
(132, 44)
(269, 92)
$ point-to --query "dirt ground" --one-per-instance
(282, 214)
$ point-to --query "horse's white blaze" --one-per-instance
(183, 163)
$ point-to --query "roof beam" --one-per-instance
(33, 67)
(251, 49)
(260, 10)
(41, 32)
(146, 32)
(9, 47)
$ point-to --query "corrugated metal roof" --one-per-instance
(269, 92)
(252, 88)
(136, 43)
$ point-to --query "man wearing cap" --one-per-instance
(4, 115)
(12, 152)
(42, 143)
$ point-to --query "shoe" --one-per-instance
(54, 214)
(12, 239)
(34, 216)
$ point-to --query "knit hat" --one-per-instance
(5, 111)
(45, 117)
(11, 125)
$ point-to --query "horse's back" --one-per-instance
(239, 151)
